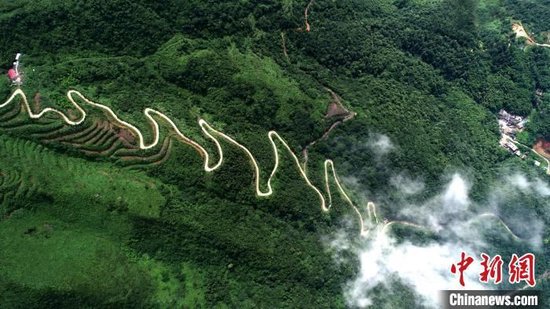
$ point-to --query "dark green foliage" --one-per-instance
(428, 75)
(532, 12)
(540, 124)
(46, 28)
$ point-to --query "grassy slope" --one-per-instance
(64, 221)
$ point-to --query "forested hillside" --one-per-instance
(89, 220)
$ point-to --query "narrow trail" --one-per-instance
(283, 45)
(348, 116)
(306, 14)
(499, 220)
(329, 170)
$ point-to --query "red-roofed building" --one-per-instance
(12, 74)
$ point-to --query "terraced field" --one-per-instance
(94, 137)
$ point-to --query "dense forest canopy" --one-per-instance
(429, 75)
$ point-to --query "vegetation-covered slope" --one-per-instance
(90, 224)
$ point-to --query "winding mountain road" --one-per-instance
(212, 134)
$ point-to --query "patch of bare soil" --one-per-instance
(306, 14)
(338, 112)
(542, 147)
(521, 33)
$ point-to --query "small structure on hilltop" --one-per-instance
(509, 126)
(14, 73)
(509, 118)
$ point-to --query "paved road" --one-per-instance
(213, 134)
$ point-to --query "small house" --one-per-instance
(12, 75)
